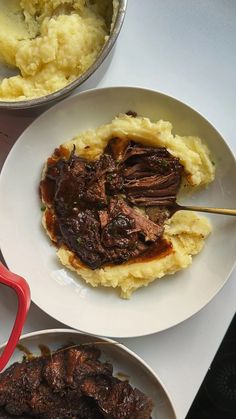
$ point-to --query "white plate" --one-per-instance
(61, 293)
(123, 360)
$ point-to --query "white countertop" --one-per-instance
(187, 49)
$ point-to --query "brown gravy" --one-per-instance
(158, 250)
(52, 224)
(47, 190)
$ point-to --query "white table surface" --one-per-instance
(185, 48)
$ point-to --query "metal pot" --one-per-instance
(65, 91)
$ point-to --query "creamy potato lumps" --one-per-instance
(186, 231)
(51, 42)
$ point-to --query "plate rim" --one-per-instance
(65, 331)
(116, 87)
(98, 91)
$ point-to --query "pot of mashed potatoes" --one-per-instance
(52, 43)
(109, 196)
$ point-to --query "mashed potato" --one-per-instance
(186, 231)
(193, 154)
(51, 42)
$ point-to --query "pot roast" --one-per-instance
(71, 383)
(95, 204)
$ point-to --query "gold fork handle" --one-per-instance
(223, 211)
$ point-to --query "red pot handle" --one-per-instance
(20, 286)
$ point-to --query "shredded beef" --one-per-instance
(152, 201)
(157, 214)
(120, 232)
(146, 227)
(71, 383)
(96, 181)
(117, 149)
(70, 185)
(81, 233)
(151, 176)
(94, 202)
(117, 399)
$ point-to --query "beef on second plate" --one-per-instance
(70, 383)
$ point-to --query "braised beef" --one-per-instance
(136, 171)
(103, 217)
(81, 233)
(133, 152)
(157, 214)
(117, 148)
(54, 372)
(114, 183)
(123, 236)
(71, 383)
(117, 399)
(70, 185)
(93, 201)
(151, 173)
(64, 184)
(159, 184)
(5, 415)
(120, 232)
(48, 184)
(143, 225)
(96, 180)
(16, 385)
(152, 201)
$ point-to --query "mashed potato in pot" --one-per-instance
(50, 42)
(184, 232)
